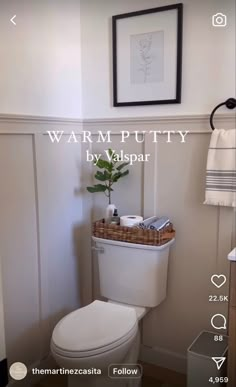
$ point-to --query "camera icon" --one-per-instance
(219, 20)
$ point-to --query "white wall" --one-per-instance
(57, 42)
(208, 57)
(40, 70)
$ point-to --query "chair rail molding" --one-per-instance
(197, 123)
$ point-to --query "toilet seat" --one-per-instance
(94, 329)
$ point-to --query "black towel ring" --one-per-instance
(229, 103)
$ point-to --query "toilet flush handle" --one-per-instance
(98, 249)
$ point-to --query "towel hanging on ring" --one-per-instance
(221, 169)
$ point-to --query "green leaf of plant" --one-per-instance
(121, 166)
(116, 177)
(124, 173)
(103, 164)
(110, 174)
(102, 176)
(97, 188)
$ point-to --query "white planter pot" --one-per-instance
(109, 211)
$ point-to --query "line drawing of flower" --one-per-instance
(146, 57)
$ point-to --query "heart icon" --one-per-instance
(218, 280)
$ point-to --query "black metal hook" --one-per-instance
(229, 103)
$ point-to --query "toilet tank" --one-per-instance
(132, 273)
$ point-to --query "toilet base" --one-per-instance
(104, 380)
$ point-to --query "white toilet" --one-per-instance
(133, 278)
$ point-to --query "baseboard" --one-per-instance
(163, 358)
(47, 363)
(3, 373)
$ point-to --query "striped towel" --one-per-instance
(147, 222)
(160, 223)
(221, 169)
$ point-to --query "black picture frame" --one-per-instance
(179, 37)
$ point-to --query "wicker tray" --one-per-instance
(132, 234)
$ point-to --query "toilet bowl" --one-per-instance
(133, 278)
(94, 337)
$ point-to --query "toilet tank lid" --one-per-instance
(140, 311)
(94, 326)
(133, 245)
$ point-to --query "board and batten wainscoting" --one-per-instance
(3, 359)
(40, 228)
(45, 228)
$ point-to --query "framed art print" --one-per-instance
(147, 56)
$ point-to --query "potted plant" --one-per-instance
(112, 172)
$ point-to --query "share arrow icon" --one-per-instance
(219, 361)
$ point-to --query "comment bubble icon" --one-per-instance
(218, 321)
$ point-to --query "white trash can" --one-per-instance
(203, 370)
